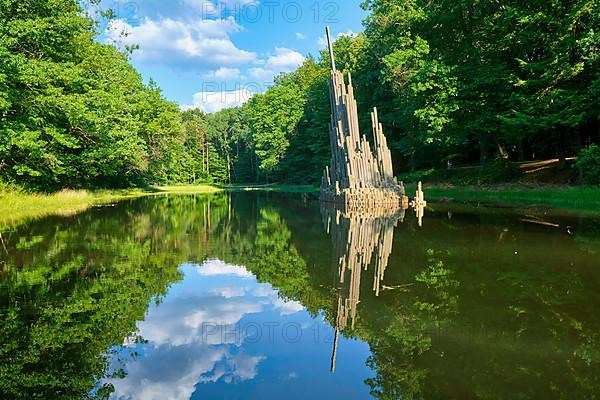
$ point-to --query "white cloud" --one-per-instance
(216, 8)
(224, 73)
(228, 292)
(284, 60)
(322, 42)
(300, 36)
(195, 44)
(261, 74)
(189, 320)
(201, 5)
(214, 295)
(190, 365)
(263, 291)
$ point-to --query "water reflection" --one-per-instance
(221, 334)
(193, 333)
(359, 239)
(131, 301)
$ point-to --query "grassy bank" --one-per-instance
(576, 198)
(272, 188)
(187, 189)
(17, 205)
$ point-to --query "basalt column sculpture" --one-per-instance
(359, 177)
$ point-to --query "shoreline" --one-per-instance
(17, 206)
(577, 198)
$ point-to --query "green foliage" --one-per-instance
(274, 117)
(588, 163)
(67, 301)
(74, 288)
(73, 112)
(451, 80)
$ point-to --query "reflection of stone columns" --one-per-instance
(419, 204)
(360, 239)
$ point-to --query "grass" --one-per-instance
(272, 188)
(575, 198)
(17, 205)
(541, 183)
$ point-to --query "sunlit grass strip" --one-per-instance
(188, 189)
(17, 205)
(272, 188)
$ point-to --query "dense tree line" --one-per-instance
(454, 80)
(73, 112)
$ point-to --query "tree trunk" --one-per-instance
(228, 168)
(559, 144)
(207, 160)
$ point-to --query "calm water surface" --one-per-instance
(270, 296)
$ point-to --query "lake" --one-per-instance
(269, 296)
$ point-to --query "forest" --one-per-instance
(456, 81)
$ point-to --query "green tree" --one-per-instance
(273, 118)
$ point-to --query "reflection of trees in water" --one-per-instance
(588, 235)
(408, 333)
(359, 241)
(516, 327)
(396, 329)
(71, 289)
(74, 287)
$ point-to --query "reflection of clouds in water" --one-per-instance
(233, 369)
(190, 338)
(172, 372)
(228, 292)
(287, 307)
(262, 291)
(181, 321)
(218, 268)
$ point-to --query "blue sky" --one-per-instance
(215, 55)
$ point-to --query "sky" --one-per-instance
(210, 55)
